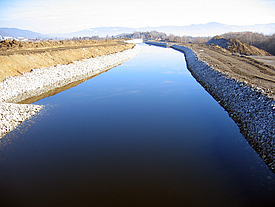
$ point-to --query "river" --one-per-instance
(145, 133)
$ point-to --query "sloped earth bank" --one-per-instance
(253, 111)
(39, 81)
(234, 45)
(16, 61)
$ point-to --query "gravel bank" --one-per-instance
(248, 107)
(39, 81)
(161, 44)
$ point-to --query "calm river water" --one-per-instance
(142, 134)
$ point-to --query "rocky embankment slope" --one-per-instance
(17, 58)
(243, 87)
(247, 106)
(38, 81)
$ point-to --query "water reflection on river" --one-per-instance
(142, 134)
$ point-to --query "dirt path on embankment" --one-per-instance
(256, 71)
(17, 58)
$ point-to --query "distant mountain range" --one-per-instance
(14, 32)
(98, 31)
(214, 28)
(209, 29)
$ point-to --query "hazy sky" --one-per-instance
(62, 16)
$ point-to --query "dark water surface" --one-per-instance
(142, 134)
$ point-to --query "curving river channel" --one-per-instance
(144, 133)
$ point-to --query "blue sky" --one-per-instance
(62, 16)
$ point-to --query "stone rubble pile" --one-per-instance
(39, 81)
(11, 115)
(247, 106)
